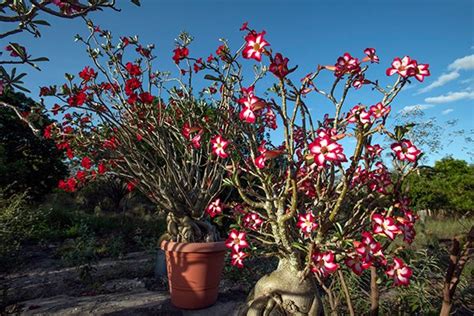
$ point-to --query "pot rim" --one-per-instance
(171, 246)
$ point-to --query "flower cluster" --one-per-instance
(236, 242)
(302, 195)
(407, 67)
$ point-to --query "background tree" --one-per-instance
(449, 186)
(18, 16)
(27, 163)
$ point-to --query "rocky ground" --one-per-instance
(126, 286)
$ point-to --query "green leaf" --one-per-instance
(40, 59)
(41, 22)
(20, 87)
(227, 182)
(299, 246)
(209, 77)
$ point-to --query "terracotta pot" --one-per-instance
(194, 272)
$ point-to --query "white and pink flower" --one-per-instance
(325, 149)
(323, 263)
(252, 221)
(405, 67)
(215, 208)
(371, 55)
(219, 145)
(399, 272)
(356, 264)
(385, 226)
(307, 223)
(255, 46)
(406, 151)
(250, 104)
(358, 114)
(422, 71)
(379, 110)
(236, 240)
(237, 258)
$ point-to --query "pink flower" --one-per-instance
(260, 161)
(371, 56)
(244, 26)
(252, 221)
(379, 110)
(77, 99)
(405, 67)
(247, 115)
(237, 258)
(323, 263)
(324, 149)
(265, 155)
(356, 264)
(407, 229)
(279, 66)
(81, 175)
(214, 208)
(307, 223)
(406, 151)
(374, 150)
(131, 85)
(368, 248)
(270, 119)
(359, 81)
(146, 98)
(131, 185)
(250, 104)
(86, 163)
(101, 169)
(236, 240)
(358, 114)
(196, 141)
(346, 64)
(399, 272)
(180, 53)
(384, 226)
(69, 185)
(422, 71)
(219, 145)
(87, 74)
(255, 46)
(133, 69)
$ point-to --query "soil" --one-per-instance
(41, 285)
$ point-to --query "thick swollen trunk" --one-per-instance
(282, 292)
(187, 229)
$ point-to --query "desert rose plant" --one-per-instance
(318, 207)
(123, 118)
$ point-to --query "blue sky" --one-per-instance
(440, 33)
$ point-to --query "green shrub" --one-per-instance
(19, 222)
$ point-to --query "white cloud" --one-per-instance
(464, 63)
(415, 108)
(450, 97)
(447, 111)
(441, 81)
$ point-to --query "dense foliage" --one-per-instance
(447, 186)
(27, 163)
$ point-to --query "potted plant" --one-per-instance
(318, 193)
(123, 118)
